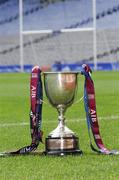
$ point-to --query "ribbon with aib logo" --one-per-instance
(91, 113)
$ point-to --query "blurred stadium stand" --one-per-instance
(70, 48)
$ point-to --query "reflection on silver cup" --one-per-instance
(60, 88)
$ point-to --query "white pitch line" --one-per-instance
(49, 121)
(13, 124)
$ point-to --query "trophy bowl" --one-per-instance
(60, 89)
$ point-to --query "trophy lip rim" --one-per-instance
(61, 72)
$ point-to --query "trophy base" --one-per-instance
(62, 146)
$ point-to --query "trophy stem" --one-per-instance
(62, 141)
(61, 118)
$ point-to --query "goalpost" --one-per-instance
(50, 31)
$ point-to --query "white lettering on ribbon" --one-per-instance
(33, 91)
(93, 115)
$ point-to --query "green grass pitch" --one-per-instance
(14, 132)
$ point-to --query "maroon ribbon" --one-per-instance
(91, 112)
(36, 96)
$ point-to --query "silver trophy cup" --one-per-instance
(60, 88)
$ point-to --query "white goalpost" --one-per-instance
(23, 33)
